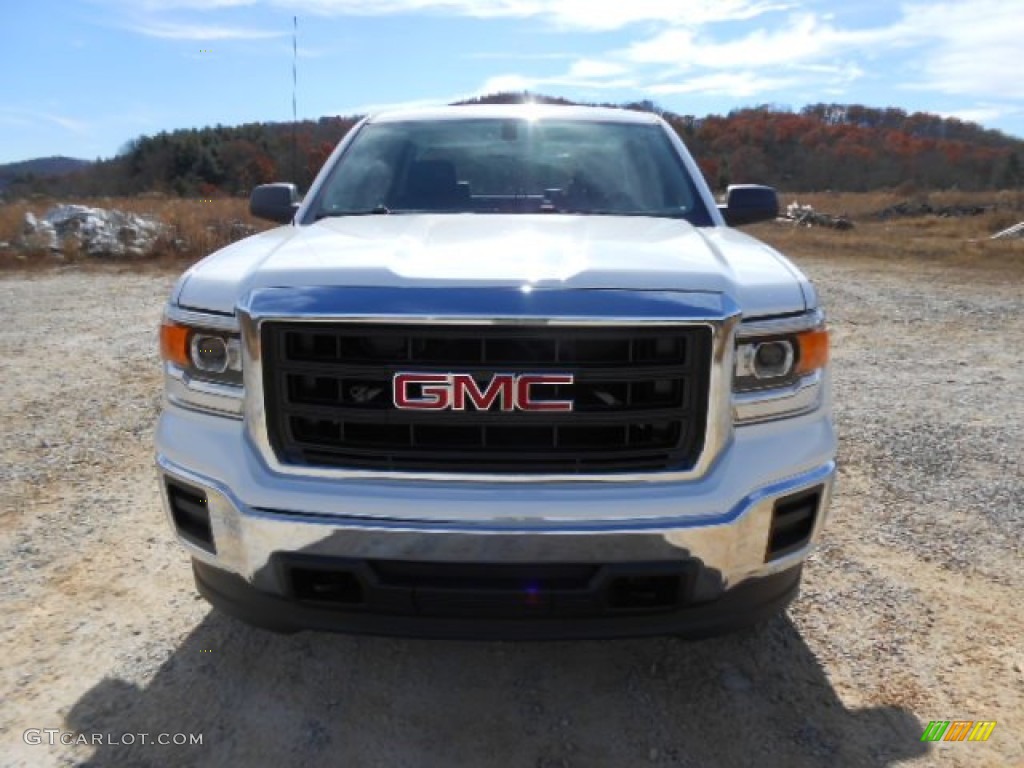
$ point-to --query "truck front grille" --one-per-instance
(640, 397)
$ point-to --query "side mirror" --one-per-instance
(274, 202)
(747, 203)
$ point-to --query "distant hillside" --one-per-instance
(209, 162)
(40, 167)
(841, 147)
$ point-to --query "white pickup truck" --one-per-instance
(505, 372)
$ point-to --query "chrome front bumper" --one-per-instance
(722, 521)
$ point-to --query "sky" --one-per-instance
(83, 77)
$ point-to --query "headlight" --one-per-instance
(779, 361)
(202, 354)
(779, 368)
(203, 366)
(765, 360)
(215, 354)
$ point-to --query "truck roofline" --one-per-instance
(516, 111)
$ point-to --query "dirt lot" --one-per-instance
(910, 610)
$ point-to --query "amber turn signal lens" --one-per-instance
(813, 346)
(174, 344)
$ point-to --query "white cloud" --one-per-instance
(176, 31)
(16, 116)
(978, 114)
(669, 46)
(169, 5)
(971, 48)
(593, 68)
(587, 78)
(67, 123)
(740, 85)
(844, 72)
(590, 15)
(520, 56)
(806, 51)
(576, 14)
(967, 50)
(804, 38)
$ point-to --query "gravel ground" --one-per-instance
(906, 614)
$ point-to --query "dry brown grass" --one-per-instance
(195, 229)
(961, 241)
(860, 205)
(950, 242)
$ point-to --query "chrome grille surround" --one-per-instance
(509, 306)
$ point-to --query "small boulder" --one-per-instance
(94, 231)
(37, 235)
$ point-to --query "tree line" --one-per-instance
(820, 147)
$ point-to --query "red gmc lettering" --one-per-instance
(501, 386)
(525, 401)
(435, 393)
(457, 391)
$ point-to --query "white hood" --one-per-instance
(543, 250)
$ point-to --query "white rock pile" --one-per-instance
(1014, 232)
(93, 231)
(806, 216)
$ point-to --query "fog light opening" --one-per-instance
(793, 519)
(191, 515)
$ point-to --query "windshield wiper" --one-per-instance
(379, 210)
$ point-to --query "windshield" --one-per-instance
(511, 166)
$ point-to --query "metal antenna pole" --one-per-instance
(295, 88)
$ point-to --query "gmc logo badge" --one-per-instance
(458, 391)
